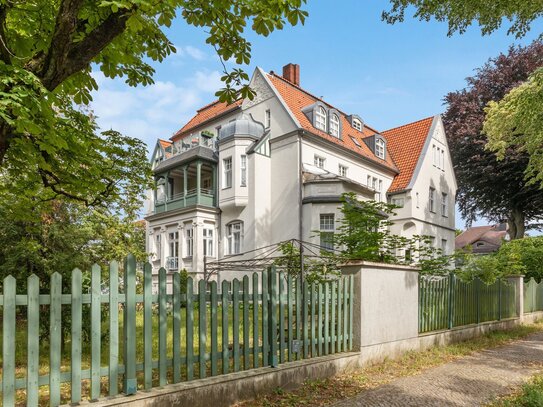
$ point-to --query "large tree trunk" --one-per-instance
(516, 224)
(4, 139)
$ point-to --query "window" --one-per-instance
(217, 131)
(227, 172)
(442, 160)
(327, 228)
(379, 191)
(319, 161)
(432, 199)
(377, 185)
(399, 202)
(357, 125)
(174, 244)
(234, 236)
(320, 119)
(380, 148)
(267, 121)
(334, 125)
(368, 183)
(342, 170)
(208, 242)
(189, 242)
(432, 241)
(417, 199)
(443, 246)
(158, 246)
(444, 204)
(243, 168)
(355, 141)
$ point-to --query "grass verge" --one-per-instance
(528, 395)
(346, 385)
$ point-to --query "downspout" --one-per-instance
(300, 208)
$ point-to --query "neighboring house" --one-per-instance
(247, 175)
(482, 239)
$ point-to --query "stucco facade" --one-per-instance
(240, 177)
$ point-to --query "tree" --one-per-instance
(490, 188)
(516, 122)
(488, 14)
(47, 51)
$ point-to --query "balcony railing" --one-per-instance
(183, 200)
(172, 263)
(198, 140)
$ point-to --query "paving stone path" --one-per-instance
(470, 381)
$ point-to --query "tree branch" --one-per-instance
(56, 57)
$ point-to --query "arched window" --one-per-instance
(320, 118)
(380, 148)
(334, 125)
(234, 237)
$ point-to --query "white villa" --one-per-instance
(257, 172)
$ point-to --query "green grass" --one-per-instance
(333, 389)
(529, 395)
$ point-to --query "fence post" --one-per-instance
(451, 291)
(272, 317)
(499, 299)
(129, 326)
(519, 282)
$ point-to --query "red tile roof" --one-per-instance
(164, 143)
(405, 144)
(297, 98)
(204, 114)
(489, 234)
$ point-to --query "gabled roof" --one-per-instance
(490, 234)
(297, 99)
(405, 144)
(206, 113)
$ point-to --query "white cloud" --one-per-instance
(195, 53)
(207, 81)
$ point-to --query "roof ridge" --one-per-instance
(216, 102)
(318, 98)
(408, 124)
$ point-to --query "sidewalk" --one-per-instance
(470, 381)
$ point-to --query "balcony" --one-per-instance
(181, 200)
(204, 139)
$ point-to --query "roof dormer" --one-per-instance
(377, 144)
(356, 122)
(324, 118)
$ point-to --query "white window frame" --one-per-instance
(243, 170)
(432, 199)
(357, 125)
(399, 202)
(234, 237)
(334, 125)
(327, 228)
(380, 148)
(444, 204)
(173, 240)
(342, 170)
(227, 166)
(320, 118)
(189, 242)
(158, 246)
(267, 120)
(207, 233)
(319, 161)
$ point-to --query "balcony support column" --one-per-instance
(185, 186)
(214, 183)
(198, 181)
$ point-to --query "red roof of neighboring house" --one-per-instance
(164, 143)
(405, 144)
(204, 114)
(297, 98)
(490, 234)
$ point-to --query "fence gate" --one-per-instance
(124, 338)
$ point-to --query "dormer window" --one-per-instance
(334, 125)
(380, 148)
(320, 119)
(357, 124)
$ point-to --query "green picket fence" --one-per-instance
(262, 320)
(533, 296)
(447, 302)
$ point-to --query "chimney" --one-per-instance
(291, 72)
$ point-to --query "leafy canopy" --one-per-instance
(460, 14)
(516, 122)
(487, 187)
(47, 53)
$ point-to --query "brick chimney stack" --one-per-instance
(291, 72)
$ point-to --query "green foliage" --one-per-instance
(516, 122)
(47, 54)
(487, 14)
(520, 256)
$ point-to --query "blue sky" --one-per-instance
(388, 74)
